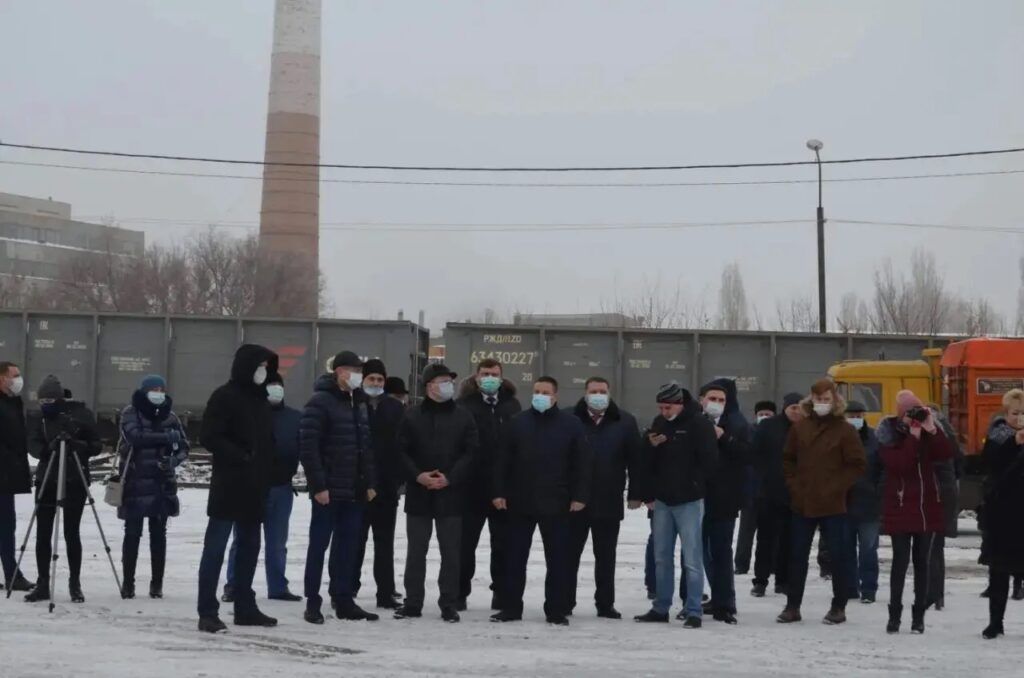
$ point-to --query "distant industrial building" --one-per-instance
(38, 236)
(616, 320)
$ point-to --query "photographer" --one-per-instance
(911, 445)
(152, 445)
(60, 418)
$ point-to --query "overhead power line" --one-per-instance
(518, 184)
(444, 168)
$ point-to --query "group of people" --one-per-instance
(473, 458)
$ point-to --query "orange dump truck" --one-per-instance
(967, 378)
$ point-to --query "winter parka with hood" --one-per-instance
(151, 446)
(490, 421)
(238, 431)
(725, 494)
(911, 498)
(823, 459)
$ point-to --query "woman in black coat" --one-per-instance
(72, 418)
(1003, 528)
(152, 445)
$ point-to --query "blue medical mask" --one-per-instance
(540, 402)
(598, 402)
(374, 391)
(490, 385)
(275, 394)
(856, 422)
(158, 398)
(446, 391)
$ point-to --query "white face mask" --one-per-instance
(822, 409)
(856, 422)
(374, 391)
(275, 393)
(260, 376)
(445, 391)
(158, 398)
(17, 384)
(762, 418)
(355, 380)
(713, 409)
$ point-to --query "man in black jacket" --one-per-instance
(773, 512)
(614, 442)
(336, 454)
(437, 442)
(238, 431)
(763, 411)
(382, 513)
(15, 477)
(679, 456)
(724, 493)
(491, 400)
(542, 475)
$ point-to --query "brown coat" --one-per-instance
(823, 459)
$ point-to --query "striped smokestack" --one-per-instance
(290, 212)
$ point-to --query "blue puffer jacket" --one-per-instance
(155, 441)
(334, 443)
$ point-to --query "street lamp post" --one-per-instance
(816, 146)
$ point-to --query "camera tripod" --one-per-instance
(61, 494)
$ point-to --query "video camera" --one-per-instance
(919, 414)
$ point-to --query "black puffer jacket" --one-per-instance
(15, 476)
(1000, 518)
(544, 464)
(238, 431)
(335, 443)
(676, 471)
(614, 449)
(864, 502)
(75, 418)
(385, 416)
(442, 437)
(725, 494)
(154, 442)
(769, 444)
(489, 424)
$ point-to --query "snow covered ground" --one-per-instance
(107, 637)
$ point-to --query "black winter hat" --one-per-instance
(791, 399)
(765, 405)
(50, 389)
(432, 372)
(375, 366)
(395, 386)
(671, 393)
(855, 407)
(346, 359)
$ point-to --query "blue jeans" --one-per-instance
(834, 532)
(650, 578)
(340, 522)
(862, 550)
(683, 520)
(275, 536)
(8, 525)
(214, 545)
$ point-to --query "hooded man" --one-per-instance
(491, 399)
(680, 455)
(337, 456)
(823, 459)
(238, 431)
(763, 411)
(15, 476)
(385, 415)
(724, 493)
(280, 498)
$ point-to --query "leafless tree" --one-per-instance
(654, 305)
(976, 318)
(915, 305)
(798, 314)
(854, 316)
(732, 300)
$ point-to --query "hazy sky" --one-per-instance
(548, 83)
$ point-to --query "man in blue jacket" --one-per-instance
(542, 475)
(864, 510)
(279, 501)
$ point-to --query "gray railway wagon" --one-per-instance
(765, 365)
(102, 357)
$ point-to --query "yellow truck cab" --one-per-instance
(875, 383)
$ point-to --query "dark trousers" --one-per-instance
(998, 594)
(275, 541)
(335, 526)
(937, 571)
(718, 564)
(418, 530)
(157, 547)
(862, 550)
(380, 517)
(774, 549)
(745, 539)
(71, 519)
(834, 530)
(554, 530)
(604, 533)
(218, 532)
(907, 547)
(472, 527)
(8, 526)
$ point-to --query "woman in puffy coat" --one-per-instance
(1002, 520)
(152, 445)
(911, 445)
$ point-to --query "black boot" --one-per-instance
(1018, 588)
(129, 557)
(156, 590)
(992, 631)
(917, 619)
(127, 589)
(895, 613)
(75, 591)
(40, 592)
(21, 584)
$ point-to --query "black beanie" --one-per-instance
(50, 389)
(765, 405)
(791, 399)
(374, 366)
